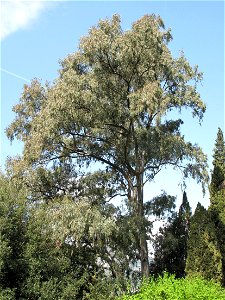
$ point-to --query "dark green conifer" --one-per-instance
(217, 195)
(203, 253)
(171, 244)
(218, 172)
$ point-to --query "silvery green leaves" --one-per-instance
(111, 104)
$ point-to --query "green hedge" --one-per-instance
(169, 288)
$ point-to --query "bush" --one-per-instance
(7, 294)
(169, 288)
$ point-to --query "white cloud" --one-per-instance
(18, 14)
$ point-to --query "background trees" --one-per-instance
(170, 244)
(110, 105)
(217, 194)
(204, 256)
(207, 232)
(12, 237)
(60, 249)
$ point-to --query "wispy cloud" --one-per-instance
(16, 14)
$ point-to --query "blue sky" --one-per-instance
(36, 34)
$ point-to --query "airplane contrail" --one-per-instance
(15, 75)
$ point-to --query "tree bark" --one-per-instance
(142, 230)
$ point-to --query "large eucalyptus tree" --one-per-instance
(110, 104)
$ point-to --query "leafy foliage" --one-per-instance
(160, 206)
(167, 287)
(61, 249)
(12, 236)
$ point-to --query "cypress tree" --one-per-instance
(217, 195)
(171, 244)
(203, 253)
(185, 212)
(218, 172)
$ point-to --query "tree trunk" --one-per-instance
(144, 257)
(142, 230)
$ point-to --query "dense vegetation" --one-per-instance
(103, 130)
(167, 287)
(207, 231)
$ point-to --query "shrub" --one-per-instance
(169, 288)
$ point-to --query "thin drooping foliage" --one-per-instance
(110, 104)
